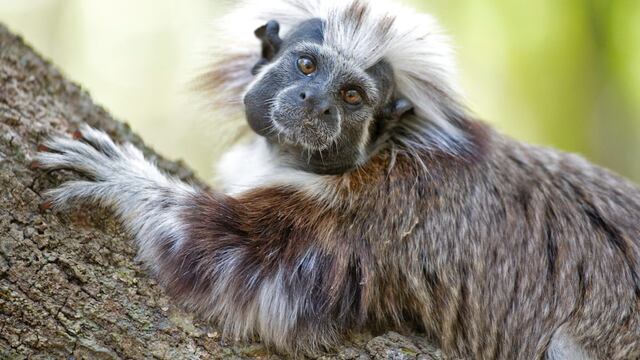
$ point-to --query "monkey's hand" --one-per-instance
(119, 174)
(250, 262)
(147, 201)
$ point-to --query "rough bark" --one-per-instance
(69, 282)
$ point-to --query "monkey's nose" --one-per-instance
(316, 104)
(308, 97)
(322, 110)
(325, 109)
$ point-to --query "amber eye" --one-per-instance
(352, 97)
(306, 65)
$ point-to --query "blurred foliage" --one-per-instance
(559, 73)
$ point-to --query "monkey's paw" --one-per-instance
(113, 170)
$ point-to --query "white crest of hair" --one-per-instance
(366, 31)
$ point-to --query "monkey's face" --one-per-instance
(313, 98)
(309, 99)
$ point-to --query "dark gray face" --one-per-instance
(317, 107)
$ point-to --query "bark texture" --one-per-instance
(69, 283)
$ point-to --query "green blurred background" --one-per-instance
(559, 73)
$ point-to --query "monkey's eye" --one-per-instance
(306, 65)
(352, 97)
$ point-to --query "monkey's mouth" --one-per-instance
(294, 127)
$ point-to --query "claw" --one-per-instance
(45, 205)
(35, 164)
(43, 148)
(77, 135)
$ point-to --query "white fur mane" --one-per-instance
(366, 31)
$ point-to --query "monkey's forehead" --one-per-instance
(311, 31)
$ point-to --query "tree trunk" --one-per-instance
(69, 283)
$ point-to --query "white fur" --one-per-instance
(278, 311)
(415, 47)
(564, 347)
(272, 313)
(254, 165)
(148, 202)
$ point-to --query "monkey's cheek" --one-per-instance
(260, 126)
(258, 117)
(259, 123)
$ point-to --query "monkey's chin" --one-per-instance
(308, 137)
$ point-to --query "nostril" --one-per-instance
(327, 112)
(303, 95)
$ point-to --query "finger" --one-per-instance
(69, 161)
(98, 140)
(73, 192)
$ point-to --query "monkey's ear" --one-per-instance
(271, 42)
(398, 108)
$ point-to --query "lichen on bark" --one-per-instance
(70, 286)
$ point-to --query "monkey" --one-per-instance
(370, 198)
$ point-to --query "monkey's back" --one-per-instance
(526, 249)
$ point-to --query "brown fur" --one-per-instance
(489, 255)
